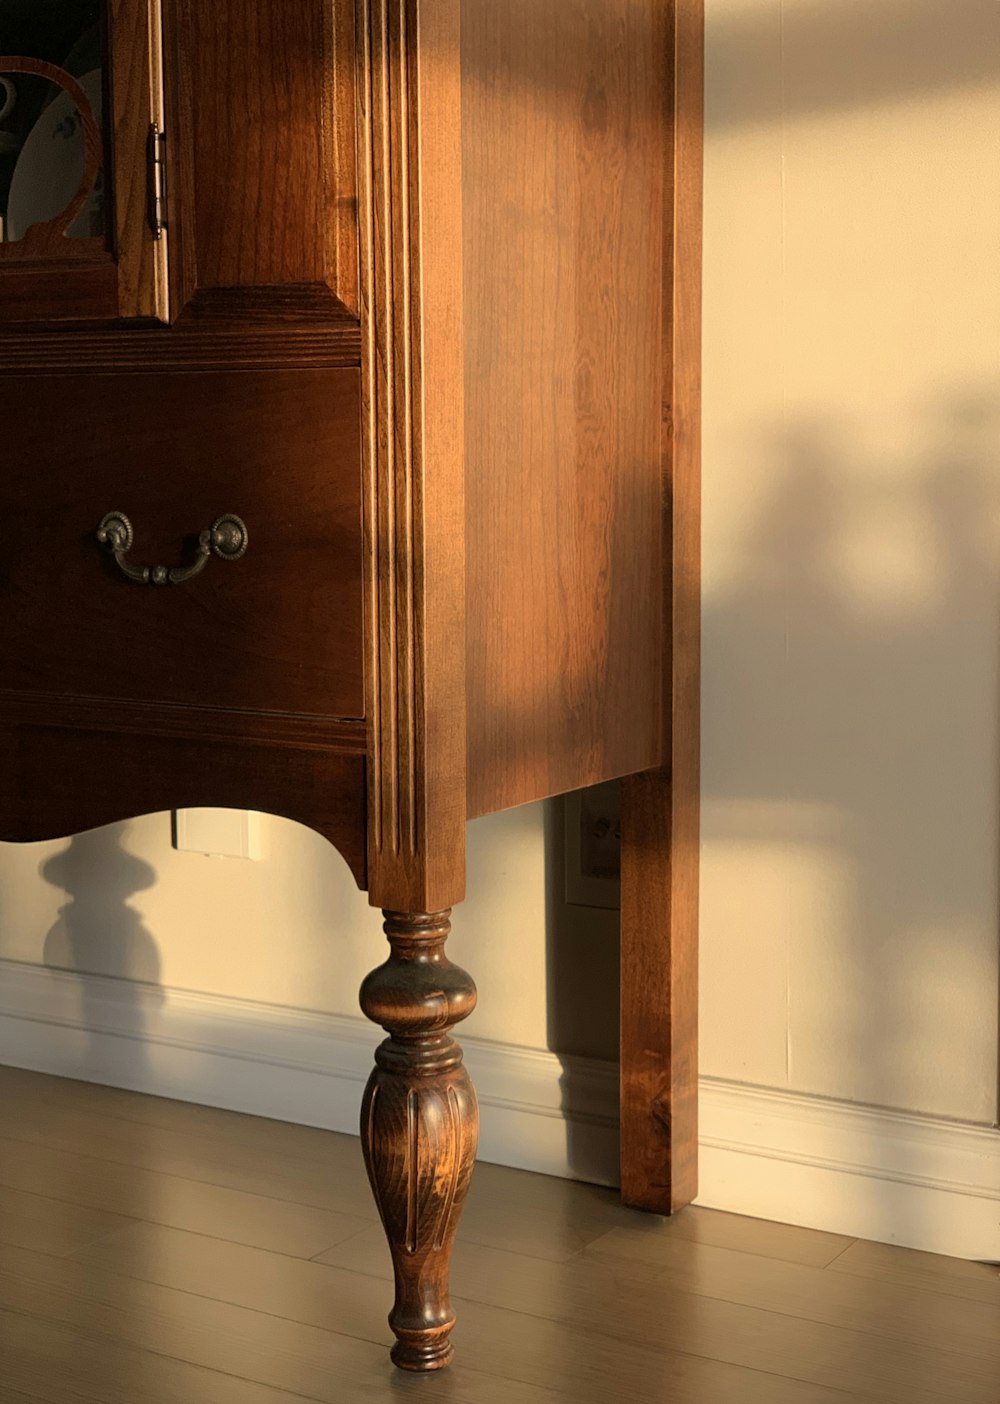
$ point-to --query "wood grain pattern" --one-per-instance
(660, 810)
(58, 779)
(562, 185)
(231, 340)
(58, 291)
(187, 723)
(419, 1127)
(261, 136)
(279, 630)
(410, 218)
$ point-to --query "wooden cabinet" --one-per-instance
(351, 473)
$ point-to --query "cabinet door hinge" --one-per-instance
(156, 178)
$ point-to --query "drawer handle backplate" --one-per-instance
(227, 538)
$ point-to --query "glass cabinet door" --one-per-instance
(76, 244)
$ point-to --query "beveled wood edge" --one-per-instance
(342, 145)
(409, 180)
(661, 810)
(268, 304)
(338, 292)
(191, 346)
(345, 735)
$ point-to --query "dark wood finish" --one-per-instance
(68, 290)
(261, 136)
(563, 208)
(66, 769)
(269, 729)
(412, 396)
(419, 1126)
(660, 811)
(221, 343)
(46, 277)
(279, 630)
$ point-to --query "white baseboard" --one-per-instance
(896, 1177)
(558, 1116)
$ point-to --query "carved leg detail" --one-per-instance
(419, 1126)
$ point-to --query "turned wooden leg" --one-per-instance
(419, 1126)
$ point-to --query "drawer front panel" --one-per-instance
(279, 629)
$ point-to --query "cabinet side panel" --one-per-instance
(563, 135)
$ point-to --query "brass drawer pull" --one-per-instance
(227, 538)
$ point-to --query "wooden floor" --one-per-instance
(153, 1252)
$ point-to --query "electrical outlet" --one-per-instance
(593, 846)
(217, 833)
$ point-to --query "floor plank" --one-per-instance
(72, 1179)
(50, 1226)
(336, 1183)
(61, 1365)
(534, 1214)
(758, 1236)
(236, 1131)
(151, 1251)
(287, 1355)
(955, 1277)
(643, 1290)
(586, 1314)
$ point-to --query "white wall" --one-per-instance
(852, 603)
(290, 928)
(852, 549)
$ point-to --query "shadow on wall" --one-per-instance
(98, 932)
(851, 672)
(582, 991)
(851, 679)
(852, 54)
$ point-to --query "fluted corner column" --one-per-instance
(419, 1126)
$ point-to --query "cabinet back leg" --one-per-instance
(659, 993)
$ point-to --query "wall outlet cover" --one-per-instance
(217, 833)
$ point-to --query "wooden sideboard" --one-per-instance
(351, 445)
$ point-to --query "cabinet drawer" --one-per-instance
(279, 629)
